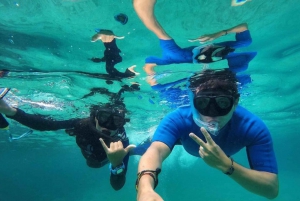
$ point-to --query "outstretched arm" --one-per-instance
(117, 155)
(258, 182)
(209, 37)
(145, 11)
(151, 160)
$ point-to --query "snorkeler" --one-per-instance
(213, 127)
(173, 54)
(111, 54)
(101, 137)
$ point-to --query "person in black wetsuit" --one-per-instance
(111, 54)
(106, 122)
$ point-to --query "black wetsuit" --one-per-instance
(112, 57)
(87, 138)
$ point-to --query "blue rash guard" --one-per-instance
(243, 130)
(173, 54)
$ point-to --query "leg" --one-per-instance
(145, 11)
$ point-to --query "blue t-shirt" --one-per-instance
(243, 130)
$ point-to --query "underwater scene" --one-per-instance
(98, 99)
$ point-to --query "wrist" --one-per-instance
(224, 32)
(117, 170)
(230, 169)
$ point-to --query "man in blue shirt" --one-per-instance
(214, 127)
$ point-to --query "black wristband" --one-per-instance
(152, 173)
(231, 169)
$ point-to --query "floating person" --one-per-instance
(173, 54)
(122, 18)
(238, 2)
(214, 127)
(101, 137)
(111, 54)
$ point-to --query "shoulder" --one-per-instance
(250, 125)
(181, 114)
(177, 120)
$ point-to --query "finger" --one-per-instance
(119, 37)
(201, 151)
(119, 145)
(104, 145)
(197, 139)
(133, 66)
(193, 40)
(207, 136)
(129, 148)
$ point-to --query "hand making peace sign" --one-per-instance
(210, 152)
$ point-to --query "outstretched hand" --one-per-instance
(205, 38)
(105, 36)
(211, 153)
(116, 152)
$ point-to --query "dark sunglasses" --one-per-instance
(213, 106)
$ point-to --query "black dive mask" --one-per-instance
(213, 106)
(111, 119)
(213, 54)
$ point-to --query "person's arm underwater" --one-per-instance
(118, 157)
(258, 182)
(151, 160)
(145, 11)
(209, 37)
(35, 121)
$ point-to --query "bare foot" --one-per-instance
(148, 68)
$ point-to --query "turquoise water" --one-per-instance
(44, 42)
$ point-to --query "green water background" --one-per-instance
(47, 40)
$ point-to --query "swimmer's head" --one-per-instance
(109, 116)
(213, 96)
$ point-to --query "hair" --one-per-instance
(221, 80)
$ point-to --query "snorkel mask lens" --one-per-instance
(213, 106)
(110, 119)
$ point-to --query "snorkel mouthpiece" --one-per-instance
(211, 127)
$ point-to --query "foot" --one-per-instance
(148, 68)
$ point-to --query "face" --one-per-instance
(217, 107)
(104, 130)
(110, 119)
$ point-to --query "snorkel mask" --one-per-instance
(212, 127)
(110, 118)
(212, 93)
